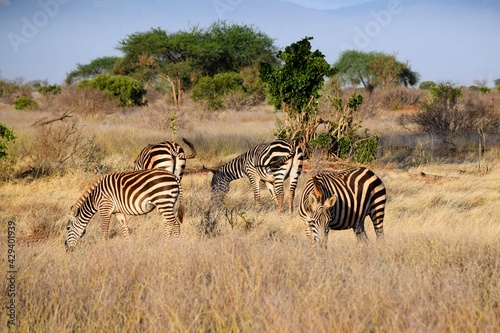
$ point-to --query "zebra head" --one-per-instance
(219, 184)
(320, 214)
(75, 229)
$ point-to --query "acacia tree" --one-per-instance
(181, 58)
(102, 65)
(294, 88)
(374, 69)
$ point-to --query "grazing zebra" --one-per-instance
(167, 155)
(270, 163)
(341, 201)
(128, 193)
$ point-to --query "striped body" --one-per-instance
(342, 200)
(270, 163)
(128, 193)
(166, 155)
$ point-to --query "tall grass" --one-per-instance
(437, 270)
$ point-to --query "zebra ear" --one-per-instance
(73, 210)
(330, 201)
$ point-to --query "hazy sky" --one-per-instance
(443, 40)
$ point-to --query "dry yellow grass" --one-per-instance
(438, 269)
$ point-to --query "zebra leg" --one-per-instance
(123, 221)
(172, 228)
(256, 190)
(279, 195)
(359, 230)
(275, 196)
(172, 225)
(106, 218)
(378, 222)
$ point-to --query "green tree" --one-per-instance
(294, 88)
(374, 69)
(426, 85)
(102, 65)
(181, 58)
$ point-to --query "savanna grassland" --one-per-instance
(437, 270)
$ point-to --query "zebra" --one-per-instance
(128, 193)
(270, 163)
(167, 155)
(340, 201)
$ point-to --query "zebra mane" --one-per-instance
(86, 193)
(317, 190)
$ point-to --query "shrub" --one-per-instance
(342, 138)
(10, 90)
(86, 102)
(57, 148)
(399, 98)
(25, 102)
(211, 90)
(128, 91)
(49, 90)
(6, 135)
(450, 114)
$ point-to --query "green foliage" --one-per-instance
(374, 69)
(481, 89)
(25, 102)
(102, 65)
(445, 92)
(127, 90)
(426, 85)
(6, 135)
(49, 90)
(294, 86)
(182, 58)
(212, 89)
(342, 138)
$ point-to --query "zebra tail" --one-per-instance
(191, 146)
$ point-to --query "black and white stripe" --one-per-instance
(166, 155)
(270, 163)
(128, 193)
(342, 200)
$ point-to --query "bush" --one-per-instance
(25, 102)
(87, 102)
(450, 114)
(6, 135)
(128, 91)
(10, 90)
(399, 98)
(49, 90)
(211, 90)
(57, 148)
(342, 138)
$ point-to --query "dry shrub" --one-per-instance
(56, 148)
(398, 98)
(84, 102)
(474, 113)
